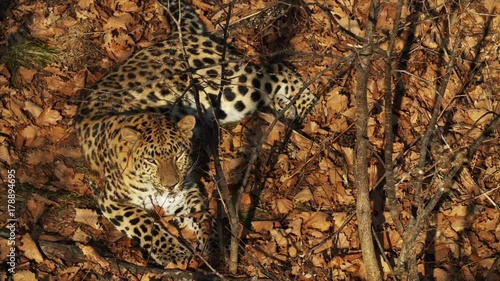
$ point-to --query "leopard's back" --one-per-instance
(169, 75)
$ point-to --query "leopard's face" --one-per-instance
(156, 154)
(163, 165)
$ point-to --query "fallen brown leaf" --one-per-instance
(88, 217)
(280, 237)
(283, 206)
(263, 226)
(30, 249)
(303, 196)
(81, 236)
(25, 275)
(93, 256)
(320, 221)
(48, 117)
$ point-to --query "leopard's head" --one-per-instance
(156, 152)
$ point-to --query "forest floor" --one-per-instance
(298, 205)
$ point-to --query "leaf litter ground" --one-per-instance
(297, 210)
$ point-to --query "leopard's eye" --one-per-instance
(179, 157)
(181, 154)
(183, 157)
(150, 161)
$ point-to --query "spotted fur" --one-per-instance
(136, 124)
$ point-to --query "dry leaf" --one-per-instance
(25, 275)
(349, 155)
(39, 156)
(283, 206)
(85, 4)
(295, 227)
(68, 273)
(32, 108)
(274, 135)
(64, 173)
(246, 201)
(118, 47)
(26, 136)
(26, 73)
(5, 249)
(264, 253)
(318, 261)
(478, 116)
(280, 237)
(326, 164)
(129, 6)
(338, 124)
(93, 256)
(315, 233)
(320, 221)
(392, 240)
(4, 154)
(459, 223)
(339, 219)
(233, 169)
(350, 113)
(44, 200)
(59, 85)
(292, 251)
(30, 249)
(70, 152)
(304, 196)
(48, 117)
(336, 103)
(313, 127)
(491, 220)
(325, 245)
(56, 134)
(76, 184)
(69, 110)
(14, 108)
(88, 217)
(81, 236)
(261, 226)
(118, 21)
(35, 208)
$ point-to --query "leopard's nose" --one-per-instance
(168, 173)
(169, 179)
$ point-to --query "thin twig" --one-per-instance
(258, 147)
(426, 139)
(381, 249)
(461, 158)
(390, 187)
(232, 206)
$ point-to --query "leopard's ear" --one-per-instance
(130, 135)
(186, 126)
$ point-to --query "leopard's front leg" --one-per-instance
(137, 223)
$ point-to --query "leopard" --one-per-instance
(143, 161)
(136, 127)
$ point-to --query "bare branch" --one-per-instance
(426, 139)
(461, 158)
(390, 187)
(363, 205)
